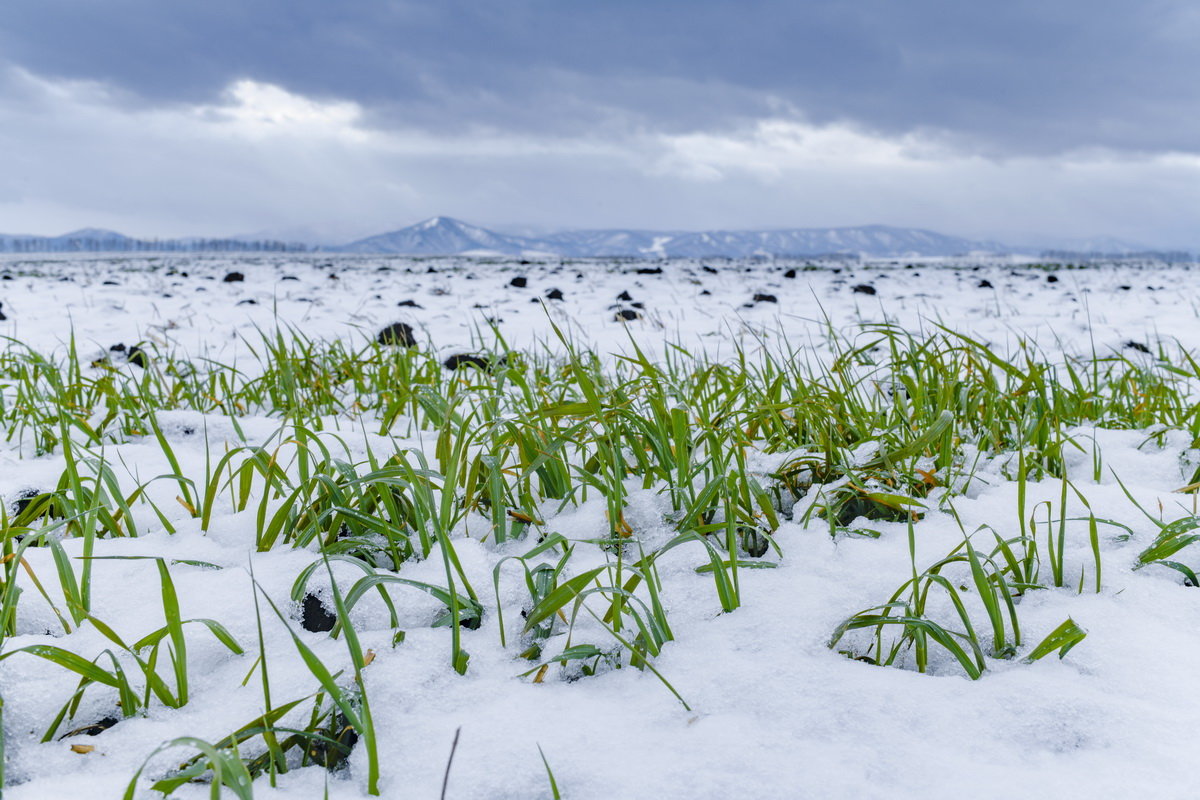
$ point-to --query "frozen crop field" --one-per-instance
(666, 529)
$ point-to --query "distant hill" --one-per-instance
(447, 236)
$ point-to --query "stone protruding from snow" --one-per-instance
(397, 334)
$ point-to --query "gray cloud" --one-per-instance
(227, 115)
(1019, 76)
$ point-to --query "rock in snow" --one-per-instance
(397, 334)
(315, 616)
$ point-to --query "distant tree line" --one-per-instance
(45, 244)
(1162, 256)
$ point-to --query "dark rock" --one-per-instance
(863, 288)
(1132, 345)
(289, 278)
(1124, 287)
(409, 304)
(110, 283)
(249, 301)
(138, 357)
(3, 316)
(706, 293)
(314, 616)
(519, 282)
(95, 729)
(708, 269)
(765, 298)
(649, 270)
(460, 360)
(791, 273)
(627, 315)
(625, 296)
(398, 333)
(234, 277)
(23, 499)
(1051, 279)
(117, 348)
(554, 294)
(984, 284)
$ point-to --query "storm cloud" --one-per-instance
(1019, 119)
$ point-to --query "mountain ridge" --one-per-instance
(448, 236)
(442, 235)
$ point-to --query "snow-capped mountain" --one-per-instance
(869, 240)
(447, 236)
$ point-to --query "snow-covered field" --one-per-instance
(750, 702)
(184, 303)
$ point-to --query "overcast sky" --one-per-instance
(1014, 120)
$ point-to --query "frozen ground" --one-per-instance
(184, 303)
(774, 713)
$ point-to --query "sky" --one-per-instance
(1019, 121)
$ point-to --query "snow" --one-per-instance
(774, 712)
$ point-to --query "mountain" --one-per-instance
(611, 242)
(447, 236)
(868, 240)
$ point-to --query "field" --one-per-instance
(597, 529)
